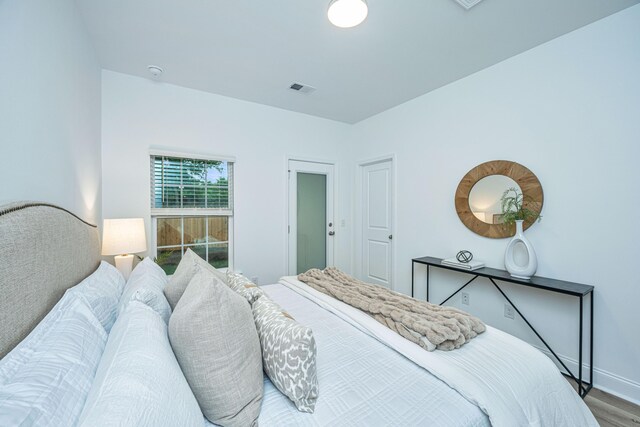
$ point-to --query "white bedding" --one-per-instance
(45, 380)
(362, 381)
(511, 381)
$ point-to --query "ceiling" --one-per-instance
(254, 49)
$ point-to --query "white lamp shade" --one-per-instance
(347, 13)
(123, 236)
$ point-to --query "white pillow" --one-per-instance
(102, 291)
(139, 381)
(146, 284)
(45, 380)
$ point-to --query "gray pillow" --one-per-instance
(288, 353)
(214, 338)
(184, 273)
(243, 286)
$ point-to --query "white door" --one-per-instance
(377, 233)
(311, 225)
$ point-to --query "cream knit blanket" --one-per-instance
(428, 325)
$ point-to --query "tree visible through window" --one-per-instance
(192, 207)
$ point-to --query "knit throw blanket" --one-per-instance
(428, 325)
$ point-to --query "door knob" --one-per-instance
(390, 236)
(331, 233)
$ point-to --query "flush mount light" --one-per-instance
(347, 13)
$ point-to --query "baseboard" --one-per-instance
(603, 380)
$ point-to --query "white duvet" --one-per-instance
(508, 379)
(363, 382)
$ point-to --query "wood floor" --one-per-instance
(611, 411)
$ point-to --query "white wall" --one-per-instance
(567, 110)
(139, 114)
(570, 111)
(49, 107)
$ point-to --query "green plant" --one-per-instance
(163, 257)
(514, 208)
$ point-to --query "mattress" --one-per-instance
(362, 381)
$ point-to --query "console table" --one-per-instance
(559, 286)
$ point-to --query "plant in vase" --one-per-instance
(515, 210)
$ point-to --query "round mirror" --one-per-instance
(485, 197)
(479, 194)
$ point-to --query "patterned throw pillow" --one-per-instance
(243, 286)
(288, 353)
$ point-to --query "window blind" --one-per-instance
(186, 185)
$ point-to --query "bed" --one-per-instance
(367, 375)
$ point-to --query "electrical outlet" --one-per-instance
(255, 280)
(465, 298)
(509, 312)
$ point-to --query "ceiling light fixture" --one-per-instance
(347, 13)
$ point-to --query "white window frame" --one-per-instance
(157, 213)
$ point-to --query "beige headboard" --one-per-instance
(44, 250)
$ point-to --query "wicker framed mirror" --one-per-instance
(478, 196)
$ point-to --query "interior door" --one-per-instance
(311, 225)
(377, 233)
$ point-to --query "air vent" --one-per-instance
(302, 88)
(468, 4)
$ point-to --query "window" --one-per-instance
(191, 207)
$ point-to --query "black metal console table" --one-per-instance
(559, 286)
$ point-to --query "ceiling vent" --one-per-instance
(468, 4)
(302, 88)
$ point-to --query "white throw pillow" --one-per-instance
(102, 291)
(146, 284)
(139, 382)
(45, 380)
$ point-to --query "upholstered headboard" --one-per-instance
(44, 250)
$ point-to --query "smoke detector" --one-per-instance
(302, 88)
(155, 70)
(468, 4)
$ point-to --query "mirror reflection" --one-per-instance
(484, 198)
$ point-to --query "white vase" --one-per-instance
(522, 270)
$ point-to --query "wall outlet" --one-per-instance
(255, 280)
(465, 298)
(509, 312)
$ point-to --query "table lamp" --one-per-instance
(123, 238)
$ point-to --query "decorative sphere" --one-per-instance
(464, 256)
